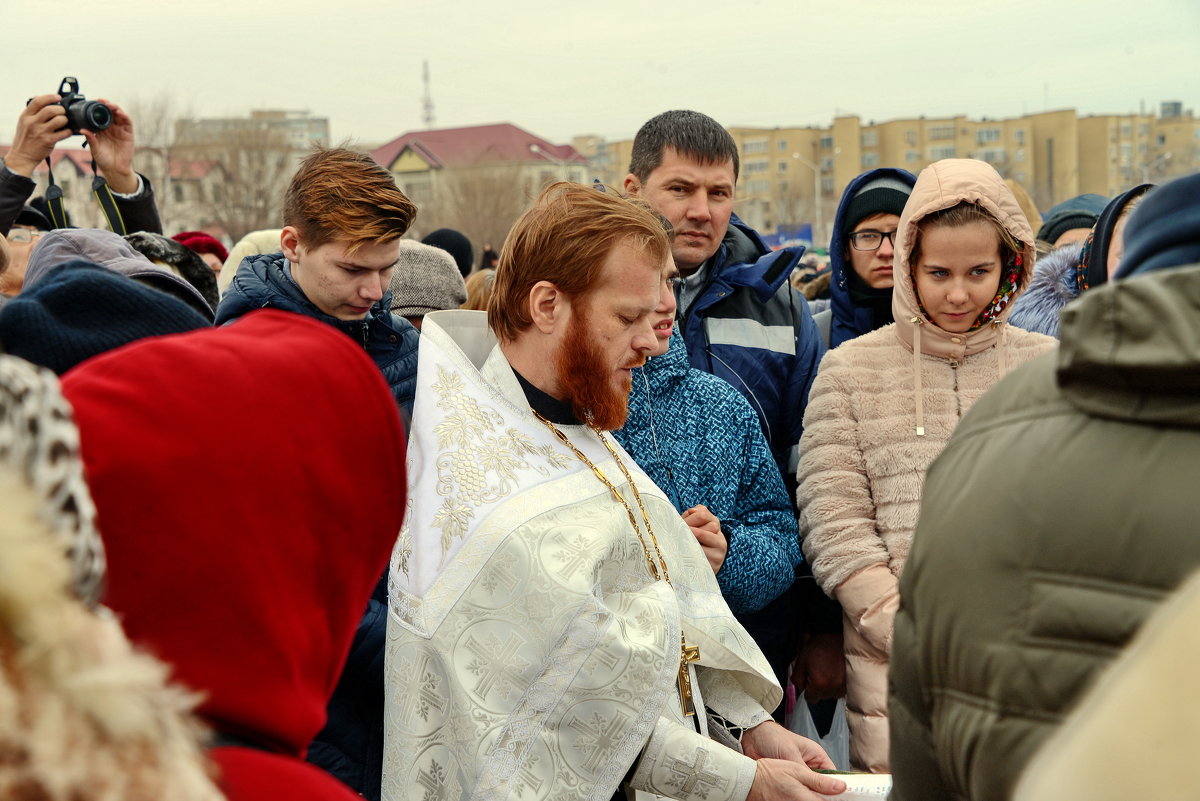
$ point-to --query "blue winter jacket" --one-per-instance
(700, 442)
(749, 327)
(851, 320)
(388, 338)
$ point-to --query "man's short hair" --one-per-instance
(689, 133)
(564, 239)
(342, 195)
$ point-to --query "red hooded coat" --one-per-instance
(249, 484)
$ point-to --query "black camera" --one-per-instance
(82, 113)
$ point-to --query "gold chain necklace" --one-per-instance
(687, 653)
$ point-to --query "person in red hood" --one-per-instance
(249, 502)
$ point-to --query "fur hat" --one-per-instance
(425, 280)
(80, 309)
(884, 195)
(200, 242)
(180, 259)
(456, 245)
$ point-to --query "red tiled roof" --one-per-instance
(78, 158)
(502, 143)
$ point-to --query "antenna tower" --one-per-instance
(427, 102)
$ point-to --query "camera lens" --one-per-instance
(96, 116)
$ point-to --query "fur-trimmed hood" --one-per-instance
(1054, 285)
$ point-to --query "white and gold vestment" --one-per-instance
(530, 653)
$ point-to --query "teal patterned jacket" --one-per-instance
(700, 441)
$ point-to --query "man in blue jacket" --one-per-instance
(343, 219)
(740, 318)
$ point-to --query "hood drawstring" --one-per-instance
(918, 395)
(1003, 346)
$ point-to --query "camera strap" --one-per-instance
(104, 196)
(108, 205)
(54, 201)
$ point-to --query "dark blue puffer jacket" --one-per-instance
(851, 320)
(700, 442)
(389, 339)
(749, 327)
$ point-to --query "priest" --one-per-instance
(555, 631)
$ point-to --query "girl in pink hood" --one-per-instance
(884, 405)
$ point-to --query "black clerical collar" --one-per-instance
(554, 410)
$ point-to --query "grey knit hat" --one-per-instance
(425, 279)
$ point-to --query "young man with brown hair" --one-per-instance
(555, 631)
(343, 219)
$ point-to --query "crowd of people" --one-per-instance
(330, 512)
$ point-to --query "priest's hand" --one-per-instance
(707, 530)
(786, 765)
(780, 780)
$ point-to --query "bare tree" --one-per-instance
(246, 170)
(154, 121)
(482, 202)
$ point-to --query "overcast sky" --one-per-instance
(565, 68)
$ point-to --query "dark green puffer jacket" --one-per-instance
(1066, 506)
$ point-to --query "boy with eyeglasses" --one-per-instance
(861, 251)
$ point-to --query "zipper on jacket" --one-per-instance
(957, 397)
(363, 330)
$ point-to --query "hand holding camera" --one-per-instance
(49, 119)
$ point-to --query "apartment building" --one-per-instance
(793, 176)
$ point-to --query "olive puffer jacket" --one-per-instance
(1060, 514)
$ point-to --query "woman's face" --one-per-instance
(958, 273)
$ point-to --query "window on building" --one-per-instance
(758, 187)
(910, 137)
(827, 163)
(939, 153)
(994, 155)
(870, 138)
(783, 167)
(1144, 129)
(177, 190)
(1126, 130)
(826, 186)
(1019, 136)
(1126, 152)
(942, 132)
(782, 145)
(912, 157)
(870, 159)
(1161, 139)
(826, 142)
(758, 165)
(985, 135)
(1020, 154)
(754, 146)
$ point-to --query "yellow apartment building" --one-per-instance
(797, 175)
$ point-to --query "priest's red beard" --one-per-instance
(587, 379)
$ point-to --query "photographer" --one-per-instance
(42, 125)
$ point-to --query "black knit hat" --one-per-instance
(456, 244)
(884, 195)
(80, 309)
